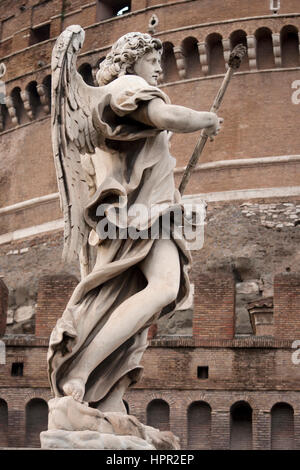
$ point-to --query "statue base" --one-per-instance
(74, 425)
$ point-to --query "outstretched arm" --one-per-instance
(178, 118)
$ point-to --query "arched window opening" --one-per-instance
(264, 49)
(33, 97)
(240, 37)
(47, 85)
(199, 426)
(3, 423)
(289, 39)
(36, 414)
(4, 118)
(241, 426)
(215, 54)
(18, 104)
(109, 8)
(168, 62)
(158, 415)
(282, 427)
(85, 71)
(192, 59)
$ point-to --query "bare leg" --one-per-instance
(162, 271)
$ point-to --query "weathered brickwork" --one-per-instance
(54, 292)
(220, 393)
(220, 403)
(3, 306)
(257, 371)
(17, 399)
(287, 306)
(214, 307)
(244, 135)
(174, 365)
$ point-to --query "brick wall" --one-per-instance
(16, 400)
(260, 375)
(3, 306)
(175, 367)
(214, 307)
(29, 154)
(287, 306)
(53, 295)
(34, 360)
(28, 148)
(14, 17)
(221, 402)
(36, 172)
(179, 402)
(261, 387)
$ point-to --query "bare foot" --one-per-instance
(75, 388)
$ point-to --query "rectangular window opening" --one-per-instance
(110, 8)
(202, 372)
(39, 34)
(17, 369)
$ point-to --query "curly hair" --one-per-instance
(123, 55)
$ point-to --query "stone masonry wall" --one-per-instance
(234, 243)
(53, 295)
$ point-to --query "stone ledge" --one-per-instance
(247, 342)
(170, 342)
(25, 340)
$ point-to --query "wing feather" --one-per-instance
(72, 134)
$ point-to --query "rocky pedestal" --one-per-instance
(75, 425)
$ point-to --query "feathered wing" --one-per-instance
(73, 135)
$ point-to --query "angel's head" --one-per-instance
(133, 53)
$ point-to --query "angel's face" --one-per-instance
(148, 67)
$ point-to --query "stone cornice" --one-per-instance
(171, 342)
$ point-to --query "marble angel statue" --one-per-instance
(111, 148)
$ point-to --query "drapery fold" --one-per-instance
(133, 167)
